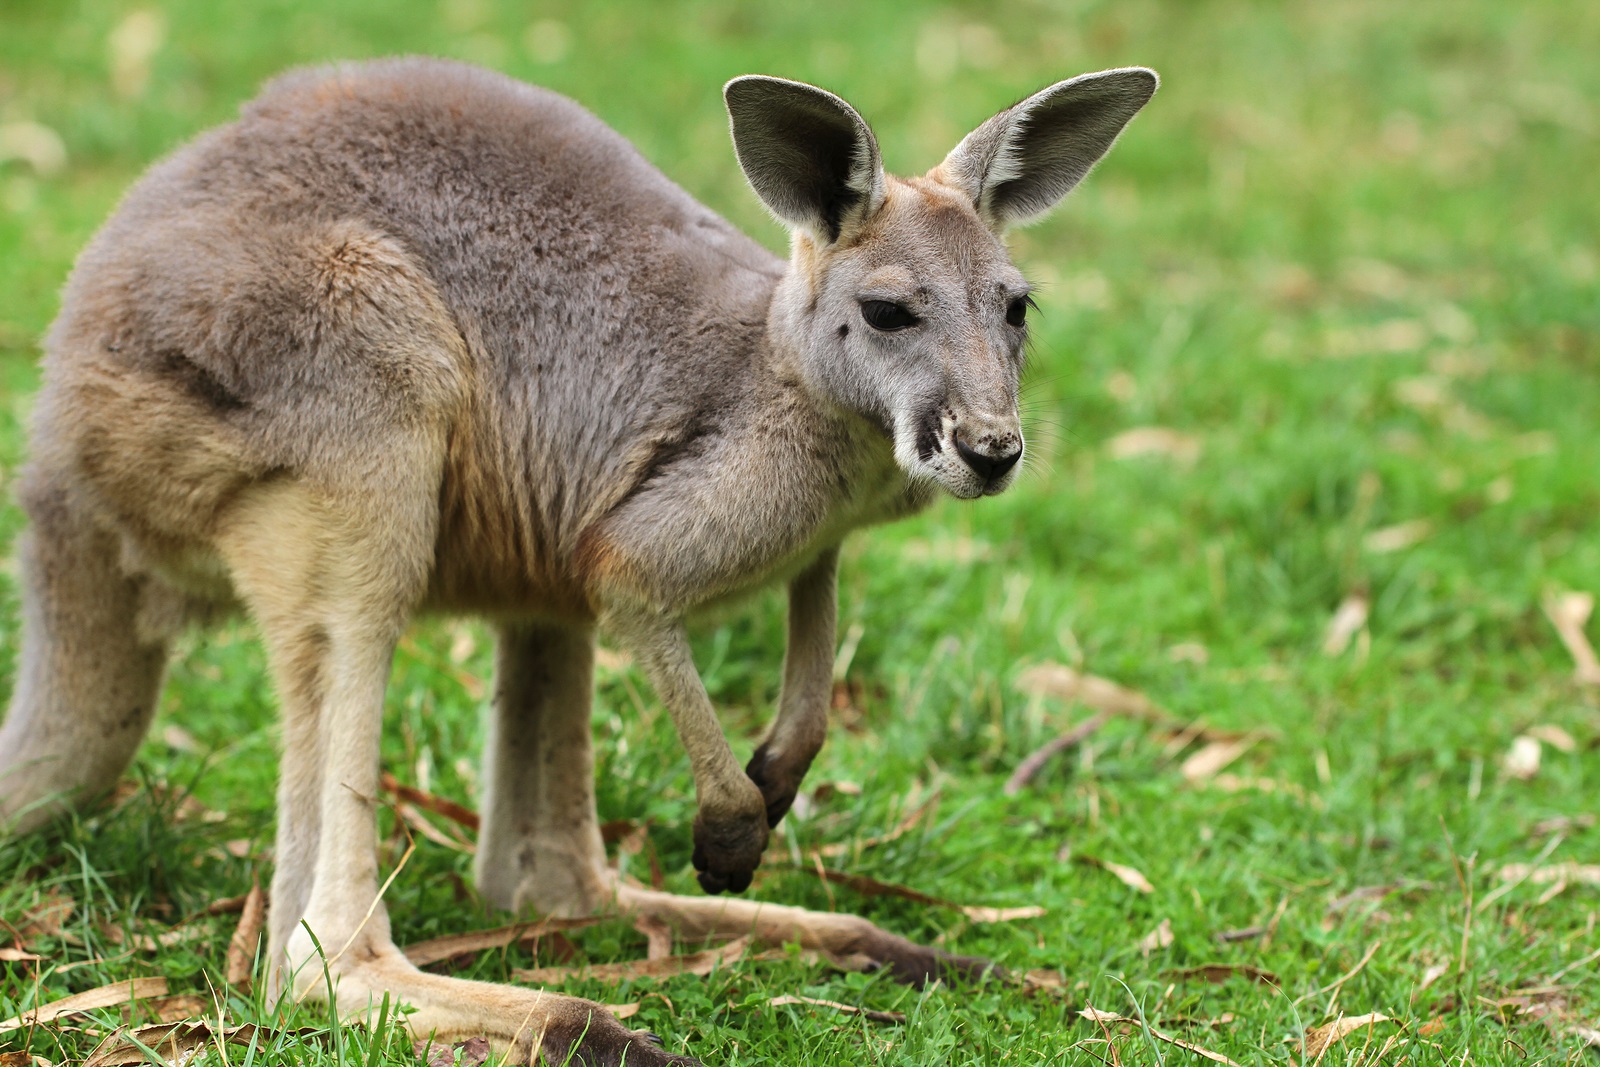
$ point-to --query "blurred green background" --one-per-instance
(1323, 328)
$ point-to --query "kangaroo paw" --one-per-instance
(778, 779)
(728, 849)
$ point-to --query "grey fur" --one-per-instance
(410, 336)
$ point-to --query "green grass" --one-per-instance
(1351, 249)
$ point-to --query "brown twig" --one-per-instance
(456, 813)
(1034, 762)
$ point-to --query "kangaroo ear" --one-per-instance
(1020, 163)
(808, 155)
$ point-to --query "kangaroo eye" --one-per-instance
(886, 316)
(1017, 312)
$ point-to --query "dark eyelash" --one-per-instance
(1017, 310)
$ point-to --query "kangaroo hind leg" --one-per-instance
(540, 841)
(88, 671)
(331, 573)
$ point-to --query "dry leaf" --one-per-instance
(1563, 824)
(980, 914)
(1101, 694)
(1215, 1057)
(848, 1009)
(1035, 760)
(826, 791)
(16, 955)
(106, 996)
(1236, 783)
(1218, 973)
(1368, 892)
(1432, 975)
(872, 887)
(452, 945)
(178, 739)
(426, 830)
(463, 643)
(1569, 872)
(1043, 978)
(1432, 395)
(177, 1042)
(1425, 392)
(1159, 938)
(1522, 761)
(145, 942)
(176, 1009)
(226, 905)
(1394, 337)
(696, 963)
(131, 45)
(1350, 617)
(1320, 1038)
(1128, 876)
(1105, 1018)
(33, 143)
(1400, 535)
(473, 1052)
(246, 936)
(46, 918)
(626, 1011)
(1154, 441)
(1554, 736)
(1568, 612)
(1538, 1002)
(1211, 758)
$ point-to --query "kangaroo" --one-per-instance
(410, 336)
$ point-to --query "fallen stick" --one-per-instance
(1035, 760)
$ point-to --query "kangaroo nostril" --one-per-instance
(979, 462)
(986, 467)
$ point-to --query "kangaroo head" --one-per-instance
(901, 303)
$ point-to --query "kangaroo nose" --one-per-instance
(987, 467)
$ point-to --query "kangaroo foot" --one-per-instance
(848, 939)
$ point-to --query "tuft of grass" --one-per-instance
(1349, 251)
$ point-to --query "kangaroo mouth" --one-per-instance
(965, 456)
